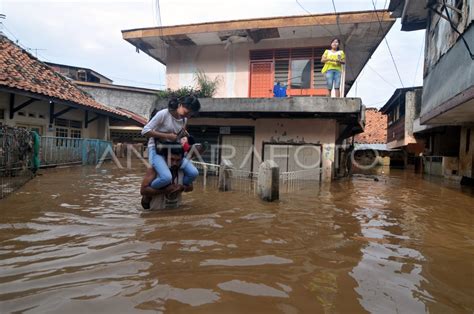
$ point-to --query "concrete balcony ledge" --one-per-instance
(290, 107)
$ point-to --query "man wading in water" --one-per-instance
(165, 130)
(170, 196)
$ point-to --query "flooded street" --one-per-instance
(73, 240)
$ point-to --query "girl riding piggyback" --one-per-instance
(165, 130)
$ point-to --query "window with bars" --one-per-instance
(62, 132)
(68, 128)
(298, 68)
(75, 133)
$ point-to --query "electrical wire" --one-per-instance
(302, 7)
(23, 46)
(133, 81)
(377, 103)
(160, 44)
(456, 30)
(388, 46)
(418, 63)
(337, 18)
(379, 75)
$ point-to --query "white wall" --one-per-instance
(231, 64)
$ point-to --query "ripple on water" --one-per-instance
(356, 245)
(248, 261)
(253, 289)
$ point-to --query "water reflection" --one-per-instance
(357, 245)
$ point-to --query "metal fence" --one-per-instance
(57, 151)
(16, 154)
(246, 181)
(299, 180)
(208, 174)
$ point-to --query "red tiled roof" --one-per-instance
(375, 131)
(21, 71)
(134, 116)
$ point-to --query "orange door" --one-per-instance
(261, 79)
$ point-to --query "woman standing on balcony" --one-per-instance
(333, 60)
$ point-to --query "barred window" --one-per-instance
(298, 68)
(61, 132)
(76, 133)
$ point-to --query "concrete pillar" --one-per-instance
(328, 162)
(268, 183)
(225, 176)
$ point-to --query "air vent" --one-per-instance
(76, 124)
(282, 54)
(302, 53)
(61, 122)
(261, 55)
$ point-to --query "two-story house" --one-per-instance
(448, 81)
(249, 57)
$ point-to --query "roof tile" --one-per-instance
(22, 71)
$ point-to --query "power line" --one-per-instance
(162, 46)
(377, 103)
(418, 63)
(302, 7)
(158, 12)
(337, 18)
(133, 81)
(379, 75)
(388, 46)
(456, 30)
(23, 46)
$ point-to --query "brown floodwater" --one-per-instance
(73, 240)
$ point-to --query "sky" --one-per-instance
(87, 33)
